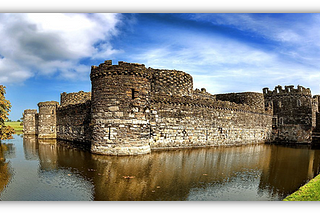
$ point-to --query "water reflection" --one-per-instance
(30, 146)
(6, 150)
(288, 169)
(255, 172)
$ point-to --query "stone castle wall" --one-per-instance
(74, 98)
(293, 111)
(193, 124)
(74, 117)
(315, 110)
(73, 122)
(202, 95)
(253, 99)
(133, 109)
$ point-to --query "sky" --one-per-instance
(43, 55)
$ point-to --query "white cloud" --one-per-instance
(52, 43)
(12, 72)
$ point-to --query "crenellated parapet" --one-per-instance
(289, 98)
(287, 90)
(123, 68)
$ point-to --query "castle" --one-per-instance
(132, 110)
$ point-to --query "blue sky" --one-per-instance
(43, 55)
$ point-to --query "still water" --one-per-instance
(36, 170)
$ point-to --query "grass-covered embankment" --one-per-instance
(308, 192)
(16, 126)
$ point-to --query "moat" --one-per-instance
(54, 170)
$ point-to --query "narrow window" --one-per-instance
(133, 93)
(280, 121)
(274, 121)
(109, 136)
(279, 103)
(150, 132)
(298, 103)
(184, 133)
(52, 111)
(270, 103)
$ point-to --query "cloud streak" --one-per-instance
(240, 52)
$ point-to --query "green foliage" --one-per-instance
(5, 131)
(17, 126)
(308, 192)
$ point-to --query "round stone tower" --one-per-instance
(47, 119)
(30, 122)
(171, 82)
(253, 99)
(120, 95)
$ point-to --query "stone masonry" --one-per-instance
(132, 110)
(294, 113)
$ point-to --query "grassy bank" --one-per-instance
(16, 125)
(308, 192)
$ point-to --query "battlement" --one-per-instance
(74, 98)
(133, 109)
(48, 103)
(123, 68)
(288, 90)
(30, 111)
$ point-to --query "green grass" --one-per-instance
(308, 192)
(16, 125)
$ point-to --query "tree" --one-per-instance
(5, 105)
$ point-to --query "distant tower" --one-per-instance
(30, 124)
(292, 113)
(171, 82)
(47, 119)
(120, 95)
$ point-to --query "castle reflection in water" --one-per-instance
(270, 172)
